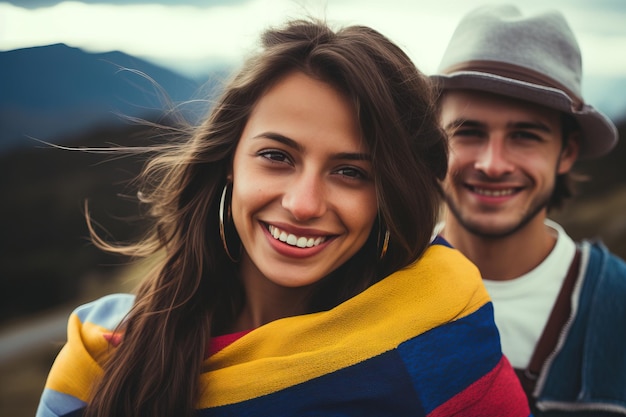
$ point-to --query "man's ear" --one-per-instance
(569, 154)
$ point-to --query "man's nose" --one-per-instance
(493, 159)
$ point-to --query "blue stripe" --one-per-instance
(446, 360)
(439, 240)
(107, 311)
(377, 387)
(411, 380)
(54, 404)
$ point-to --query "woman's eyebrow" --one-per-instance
(280, 138)
(351, 156)
(356, 156)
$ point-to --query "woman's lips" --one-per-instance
(295, 240)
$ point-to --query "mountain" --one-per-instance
(52, 92)
(65, 95)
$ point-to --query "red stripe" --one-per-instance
(220, 342)
(487, 397)
(114, 339)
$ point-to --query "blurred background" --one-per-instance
(76, 74)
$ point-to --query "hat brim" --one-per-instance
(599, 134)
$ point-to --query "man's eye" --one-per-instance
(525, 136)
(468, 132)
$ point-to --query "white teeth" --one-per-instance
(293, 240)
(494, 193)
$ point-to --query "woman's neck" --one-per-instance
(266, 301)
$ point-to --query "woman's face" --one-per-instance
(303, 199)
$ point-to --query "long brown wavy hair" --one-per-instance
(195, 293)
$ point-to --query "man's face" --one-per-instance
(505, 155)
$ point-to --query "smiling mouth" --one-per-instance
(493, 193)
(293, 240)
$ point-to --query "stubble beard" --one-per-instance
(484, 232)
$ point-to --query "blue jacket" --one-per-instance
(586, 374)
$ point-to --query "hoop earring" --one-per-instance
(385, 244)
(229, 218)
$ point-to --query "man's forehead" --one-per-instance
(474, 103)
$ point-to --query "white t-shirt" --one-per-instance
(522, 305)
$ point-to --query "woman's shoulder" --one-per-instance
(90, 334)
(94, 326)
(441, 260)
(444, 276)
(106, 312)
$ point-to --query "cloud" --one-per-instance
(194, 34)
(34, 4)
(151, 30)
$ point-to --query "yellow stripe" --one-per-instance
(76, 367)
(442, 287)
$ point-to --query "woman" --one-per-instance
(298, 275)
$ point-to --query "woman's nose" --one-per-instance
(305, 197)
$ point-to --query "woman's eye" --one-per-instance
(352, 173)
(274, 155)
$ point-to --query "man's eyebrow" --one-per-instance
(531, 126)
(351, 156)
(460, 122)
(456, 123)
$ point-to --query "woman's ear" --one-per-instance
(229, 172)
(569, 153)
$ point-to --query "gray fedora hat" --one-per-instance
(536, 58)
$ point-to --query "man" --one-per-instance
(517, 122)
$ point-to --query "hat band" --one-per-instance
(517, 73)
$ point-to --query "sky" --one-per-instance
(190, 36)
